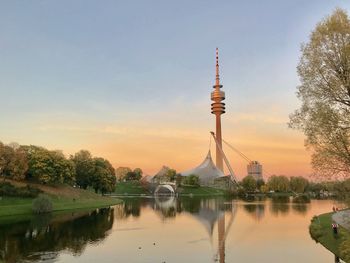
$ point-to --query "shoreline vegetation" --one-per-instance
(137, 189)
(321, 231)
(64, 198)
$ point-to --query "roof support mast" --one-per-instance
(218, 146)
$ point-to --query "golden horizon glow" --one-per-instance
(181, 145)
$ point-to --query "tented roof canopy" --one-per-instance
(206, 171)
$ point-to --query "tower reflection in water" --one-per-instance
(207, 211)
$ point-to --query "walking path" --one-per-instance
(342, 218)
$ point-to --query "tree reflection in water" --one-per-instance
(280, 205)
(256, 210)
(43, 237)
(301, 208)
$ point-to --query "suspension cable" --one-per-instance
(237, 151)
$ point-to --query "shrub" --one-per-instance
(7, 189)
(42, 204)
(28, 191)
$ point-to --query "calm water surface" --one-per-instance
(171, 230)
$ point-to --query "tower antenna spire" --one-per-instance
(217, 80)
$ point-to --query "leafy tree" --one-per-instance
(298, 184)
(103, 178)
(278, 183)
(324, 71)
(46, 166)
(171, 175)
(13, 161)
(192, 180)
(260, 183)
(249, 183)
(138, 173)
(135, 175)
(121, 172)
(342, 189)
(132, 176)
(7, 156)
(84, 168)
(264, 188)
(19, 165)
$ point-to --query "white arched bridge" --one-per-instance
(165, 188)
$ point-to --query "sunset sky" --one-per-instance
(131, 80)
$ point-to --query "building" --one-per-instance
(254, 168)
(207, 172)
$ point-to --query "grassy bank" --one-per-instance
(64, 198)
(130, 188)
(321, 231)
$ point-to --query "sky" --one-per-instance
(130, 81)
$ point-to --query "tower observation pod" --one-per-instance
(218, 108)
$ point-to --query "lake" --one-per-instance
(171, 230)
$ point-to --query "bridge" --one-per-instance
(168, 187)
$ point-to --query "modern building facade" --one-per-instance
(254, 168)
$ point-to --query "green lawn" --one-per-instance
(10, 206)
(321, 231)
(200, 191)
(130, 188)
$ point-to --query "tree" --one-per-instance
(46, 166)
(298, 184)
(260, 183)
(103, 178)
(324, 71)
(135, 175)
(249, 183)
(64, 169)
(171, 175)
(19, 165)
(121, 172)
(278, 183)
(138, 173)
(192, 180)
(84, 168)
(13, 161)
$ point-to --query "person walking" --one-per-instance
(335, 228)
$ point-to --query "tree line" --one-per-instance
(40, 165)
(296, 184)
(276, 183)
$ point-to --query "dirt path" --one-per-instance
(342, 218)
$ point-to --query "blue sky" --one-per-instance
(130, 80)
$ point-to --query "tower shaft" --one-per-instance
(219, 157)
(218, 108)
